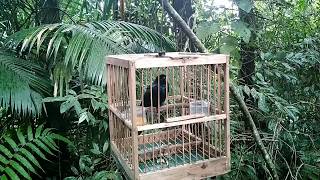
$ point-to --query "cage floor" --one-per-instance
(173, 160)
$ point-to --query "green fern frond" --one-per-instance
(16, 157)
(22, 84)
(86, 46)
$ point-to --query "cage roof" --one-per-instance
(151, 60)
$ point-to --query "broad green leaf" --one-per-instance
(55, 99)
(48, 143)
(280, 106)
(3, 160)
(95, 146)
(96, 161)
(47, 131)
(245, 5)
(20, 169)
(43, 146)
(84, 162)
(21, 137)
(72, 92)
(74, 170)
(3, 177)
(260, 76)
(246, 90)
(291, 114)
(95, 149)
(5, 151)
(262, 105)
(105, 147)
(91, 118)
(11, 142)
(36, 150)
(254, 93)
(105, 125)
(83, 117)
(206, 29)
(61, 138)
(11, 173)
(85, 96)
(95, 104)
(52, 139)
(242, 30)
(38, 131)
(30, 133)
(31, 158)
(23, 83)
(25, 162)
(65, 106)
(101, 175)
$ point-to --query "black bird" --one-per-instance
(162, 92)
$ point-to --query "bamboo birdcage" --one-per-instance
(188, 137)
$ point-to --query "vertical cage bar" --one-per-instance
(151, 99)
(158, 96)
(201, 86)
(189, 85)
(167, 89)
(182, 88)
(189, 141)
(173, 94)
(109, 92)
(226, 109)
(134, 133)
(209, 104)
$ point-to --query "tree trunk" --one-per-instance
(248, 56)
(184, 9)
(115, 10)
(200, 46)
(50, 12)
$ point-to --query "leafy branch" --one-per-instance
(17, 156)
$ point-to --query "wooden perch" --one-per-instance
(193, 38)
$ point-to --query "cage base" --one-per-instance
(199, 170)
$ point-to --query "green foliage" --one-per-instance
(22, 84)
(86, 47)
(94, 95)
(242, 30)
(19, 153)
(245, 5)
(205, 30)
(90, 166)
(285, 97)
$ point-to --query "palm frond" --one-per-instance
(18, 158)
(22, 84)
(84, 47)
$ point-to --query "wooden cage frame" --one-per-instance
(198, 170)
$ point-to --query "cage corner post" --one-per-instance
(134, 130)
(226, 108)
(109, 84)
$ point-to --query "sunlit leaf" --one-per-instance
(206, 29)
(242, 30)
(245, 5)
(262, 104)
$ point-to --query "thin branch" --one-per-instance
(244, 108)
